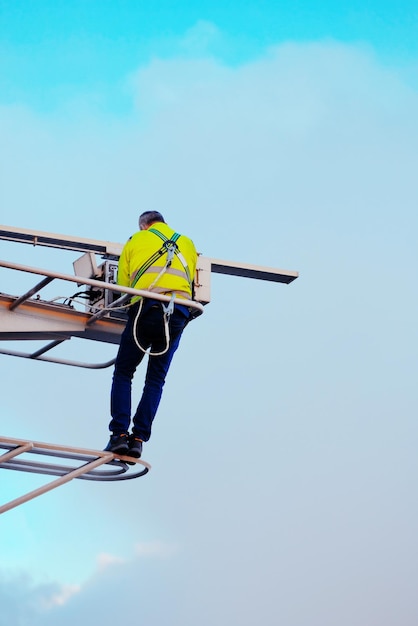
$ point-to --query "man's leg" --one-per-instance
(127, 360)
(157, 369)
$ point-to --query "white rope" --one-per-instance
(86, 305)
(122, 307)
(167, 312)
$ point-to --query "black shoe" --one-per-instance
(135, 447)
(118, 444)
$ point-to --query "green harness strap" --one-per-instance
(177, 252)
(163, 250)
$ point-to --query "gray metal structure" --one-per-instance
(73, 463)
(25, 317)
(28, 317)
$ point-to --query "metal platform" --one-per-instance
(27, 318)
(65, 462)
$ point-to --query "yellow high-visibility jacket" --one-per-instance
(142, 248)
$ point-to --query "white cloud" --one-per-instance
(199, 39)
(105, 560)
(61, 596)
(305, 159)
(155, 549)
(23, 600)
(209, 139)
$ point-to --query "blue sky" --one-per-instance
(284, 453)
(52, 49)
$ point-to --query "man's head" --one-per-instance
(148, 218)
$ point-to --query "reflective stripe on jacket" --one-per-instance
(141, 247)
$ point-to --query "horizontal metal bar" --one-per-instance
(114, 250)
(28, 355)
(61, 451)
(54, 453)
(53, 469)
(102, 285)
(125, 472)
(42, 447)
(91, 459)
(52, 240)
(253, 271)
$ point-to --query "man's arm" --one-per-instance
(124, 278)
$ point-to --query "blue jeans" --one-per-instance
(150, 334)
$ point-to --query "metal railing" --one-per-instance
(74, 463)
(91, 318)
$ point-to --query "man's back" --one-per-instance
(145, 255)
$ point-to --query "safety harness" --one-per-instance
(170, 248)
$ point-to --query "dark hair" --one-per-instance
(149, 217)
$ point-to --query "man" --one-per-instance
(160, 260)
